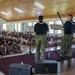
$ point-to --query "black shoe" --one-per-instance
(69, 65)
(69, 57)
(61, 58)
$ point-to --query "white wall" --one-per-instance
(2, 21)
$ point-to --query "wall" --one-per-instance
(28, 28)
(2, 21)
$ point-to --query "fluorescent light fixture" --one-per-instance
(4, 13)
(38, 13)
(39, 5)
(18, 10)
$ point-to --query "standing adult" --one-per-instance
(67, 39)
(41, 30)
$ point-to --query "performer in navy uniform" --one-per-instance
(67, 39)
(41, 30)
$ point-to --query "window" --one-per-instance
(31, 28)
(16, 26)
(34, 23)
(29, 24)
(19, 27)
(51, 30)
(58, 22)
(59, 31)
(4, 27)
(24, 26)
(11, 27)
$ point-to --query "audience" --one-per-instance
(11, 41)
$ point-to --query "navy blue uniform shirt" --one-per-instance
(41, 29)
(68, 28)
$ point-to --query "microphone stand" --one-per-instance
(56, 44)
(30, 42)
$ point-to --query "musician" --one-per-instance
(67, 39)
(40, 29)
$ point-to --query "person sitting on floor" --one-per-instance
(51, 42)
(2, 49)
(10, 48)
(17, 48)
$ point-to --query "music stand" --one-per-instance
(56, 27)
(30, 28)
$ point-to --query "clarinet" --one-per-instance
(60, 18)
(63, 22)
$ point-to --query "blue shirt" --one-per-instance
(68, 28)
(41, 29)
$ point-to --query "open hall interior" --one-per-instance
(17, 21)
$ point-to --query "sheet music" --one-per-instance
(56, 27)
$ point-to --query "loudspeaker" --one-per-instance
(46, 67)
(20, 69)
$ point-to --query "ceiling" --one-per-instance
(30, 11)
